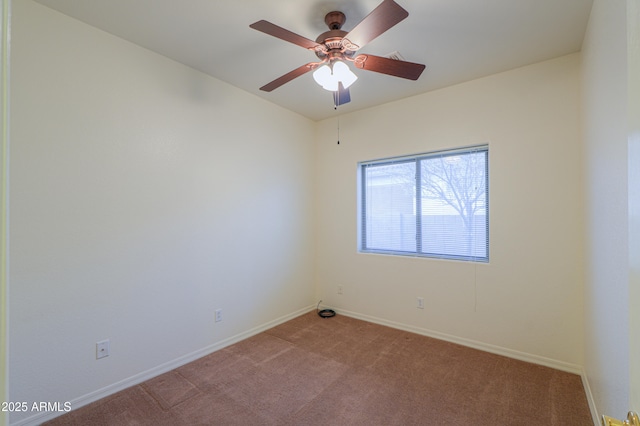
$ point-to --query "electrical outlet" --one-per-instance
(339, 289)
(420, 303)
(102, 349)
(218, 315)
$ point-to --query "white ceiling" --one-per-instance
(457, 40)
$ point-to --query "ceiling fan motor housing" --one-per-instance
(333, 40)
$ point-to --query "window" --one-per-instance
(432, 205)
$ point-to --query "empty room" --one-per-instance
(320, 212)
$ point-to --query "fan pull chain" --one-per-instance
(338, 130)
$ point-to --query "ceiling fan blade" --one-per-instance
(386, 15)
(288, 77)
(286, 35)
(341, 96)
(403, 69)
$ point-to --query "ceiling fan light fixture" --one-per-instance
(329, 77)
(341, 72)
(323, 77)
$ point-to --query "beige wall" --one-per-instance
(4, 185)
(527, 302)
(633, 72)
(144, 195)
(606, 182)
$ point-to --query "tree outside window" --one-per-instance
(449, 189)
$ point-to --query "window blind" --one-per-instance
(432, 205)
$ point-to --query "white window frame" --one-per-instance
(361, 207)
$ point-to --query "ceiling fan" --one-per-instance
(334, 48)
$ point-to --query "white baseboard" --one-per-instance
(590, 400)
(39, 418)
(486, 347)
